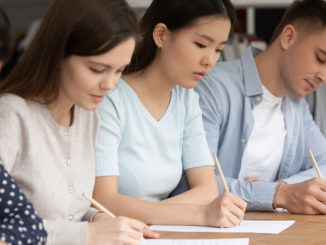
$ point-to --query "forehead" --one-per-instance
(216, 27)
(315, 38)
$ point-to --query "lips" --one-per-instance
(311, 84)
(199, 75)
(97, 98)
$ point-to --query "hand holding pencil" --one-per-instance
(134, 224)
(228, 207)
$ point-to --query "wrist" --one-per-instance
(204, 214)
(90, 234)
(279, 198)
(95, 216)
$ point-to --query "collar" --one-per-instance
(252, 82)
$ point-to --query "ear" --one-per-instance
(160, 34)
(288, 36)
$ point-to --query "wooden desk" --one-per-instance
(307, 230)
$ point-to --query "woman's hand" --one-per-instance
(120, 230)
(226, 210)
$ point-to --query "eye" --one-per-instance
(320, 60)
(96, 71)
(218, 51)
(200, 45)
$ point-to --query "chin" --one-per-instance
(190, 84)
(89, 107)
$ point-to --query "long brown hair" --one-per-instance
(70, 27)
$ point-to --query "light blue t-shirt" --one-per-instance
(149, 156)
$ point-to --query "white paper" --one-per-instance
(236, 241)
(246, 226)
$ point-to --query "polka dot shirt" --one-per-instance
(19, 223)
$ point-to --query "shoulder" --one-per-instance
(223, 72)
(118, 97)
(13, 106)
(186, 95)
(224, 78)
(12, 102)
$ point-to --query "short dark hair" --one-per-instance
(175, 14)
(306, 14)
(5, 36)
(70, 27)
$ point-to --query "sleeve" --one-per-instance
(11, 131)
(195, 151)
(108, 140)
(19, 221)
(66, 232)
(314, 139)
(214, 104)
(90, 214)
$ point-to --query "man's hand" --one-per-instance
(308, 197)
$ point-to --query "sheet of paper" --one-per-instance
(236, 241)
(246, 226)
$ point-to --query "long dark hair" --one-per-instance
(5, 36)
(70, 27)
(175, 14)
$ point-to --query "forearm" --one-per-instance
(154, 212)
(196, 195)
(202, 188)
(259, 195)
(306, 175)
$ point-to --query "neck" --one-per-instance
(268, 69)
(62, 111)
(153, 81)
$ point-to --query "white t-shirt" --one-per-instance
(263, 154)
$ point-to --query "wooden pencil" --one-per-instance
(99, 206)
(226, 188)
(315, 163)
(103, 209)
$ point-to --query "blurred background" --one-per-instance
(256, 22)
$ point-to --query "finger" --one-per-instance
(136, 224)
(318, 206)
(237, 212)
(225, 223)
(234, 219)
(148, 233)
(250, 179)
(239, 202)
(134, 234)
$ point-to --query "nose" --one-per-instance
(321, 77)
(109, 82)
(210, 59)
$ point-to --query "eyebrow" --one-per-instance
(99, 63)
(208, 38)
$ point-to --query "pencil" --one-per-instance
(103, 209)
(315, 163)
(226, 188)
(99, 206)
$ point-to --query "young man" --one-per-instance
(259, 125)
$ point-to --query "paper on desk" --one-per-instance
(238, 241)
(246, 226)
